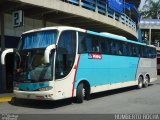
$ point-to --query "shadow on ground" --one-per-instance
(41, 104)
(116, 91)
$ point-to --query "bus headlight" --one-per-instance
(45, 88)
(16, 88)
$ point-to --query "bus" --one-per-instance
(62, 62)
(158, 62)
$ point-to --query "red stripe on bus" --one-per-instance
(76, 67)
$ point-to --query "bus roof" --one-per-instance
(60, 28)
(112, 36)
(118, 36)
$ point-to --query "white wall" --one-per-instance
(28, 25)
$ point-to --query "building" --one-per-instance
(151, 31)
(151, 35)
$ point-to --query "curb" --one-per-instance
(6, 99)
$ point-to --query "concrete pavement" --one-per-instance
(7, 97)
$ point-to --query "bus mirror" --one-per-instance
(4, 53)
(47, 53)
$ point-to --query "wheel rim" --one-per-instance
(140, 84)
(146, 81)
(83, 92)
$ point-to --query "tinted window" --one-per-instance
(89, 43)
(153, 53)
(145, 52)
(104, 46)
(134, 50)
(129, 49)
(120, 48)
(65, 53)
(92, 43)
(125, 52)
(113, 47)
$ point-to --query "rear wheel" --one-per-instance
(140, 82)
(146, 81)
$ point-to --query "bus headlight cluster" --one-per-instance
(16, 88)
(45, 88)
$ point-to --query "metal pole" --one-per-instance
(96, 7)
(80, 2)
(106, 12)
(44, 20)
(124, 6)
(2, 31)
(150, 36)
(2, 49)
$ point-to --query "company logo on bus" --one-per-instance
(95, 56)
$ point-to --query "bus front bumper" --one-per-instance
(37, 95)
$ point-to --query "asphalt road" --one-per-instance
(126, 100)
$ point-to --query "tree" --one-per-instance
(151, 9)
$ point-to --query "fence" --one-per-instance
(100, 6)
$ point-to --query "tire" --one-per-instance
(80, 93)
(146, 81)
(140, 82)
(87, 94)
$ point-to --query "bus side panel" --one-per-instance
(108, 70)
(147, 66)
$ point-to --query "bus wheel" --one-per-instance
(80, 93)
(146, 81)
(140, 82)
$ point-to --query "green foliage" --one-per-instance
(151, 9)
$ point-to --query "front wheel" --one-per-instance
(80, 93)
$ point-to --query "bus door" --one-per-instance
(9, 71)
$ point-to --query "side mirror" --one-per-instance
(47, 53)
(4, 53)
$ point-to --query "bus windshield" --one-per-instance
(29, 58)
(40, 39)
(30, 66)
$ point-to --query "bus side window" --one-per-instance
(150, 52)
(129, 49)
(117, 48)
(95, 44)
(120, 48)
(113, 47)
(82, 48)
(141, 51)
(145, 52)
(125, 52)
(108, 44)
(103, 45)
(66, 52)
(134, 50)
(154, 53)
(138, 50)
(88, 43)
